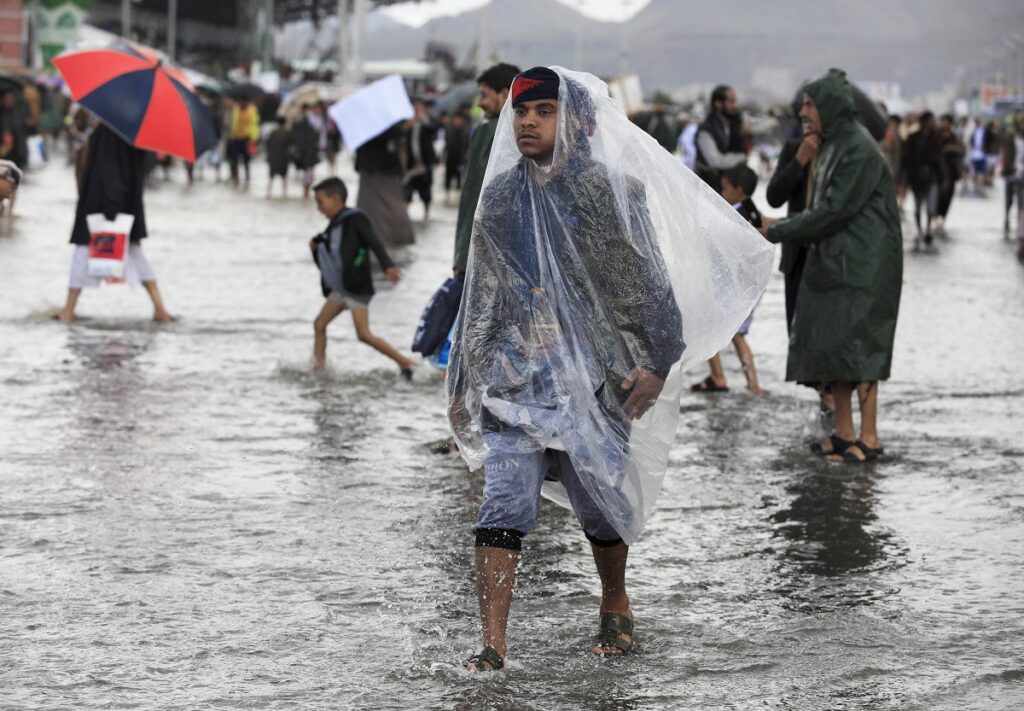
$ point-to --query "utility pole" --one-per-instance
(343, 43)
(624, 41)
(355, 72)
(126, 19)
(172, 28)
(483, 43)
(268, 36)
(578, 48)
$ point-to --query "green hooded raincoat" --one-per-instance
(846, 308)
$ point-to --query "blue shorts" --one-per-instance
(980, 165)
(512, 484)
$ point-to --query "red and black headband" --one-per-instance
(535, 84)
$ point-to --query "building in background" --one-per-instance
(210, 35)
(14, 34)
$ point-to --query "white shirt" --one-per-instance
(688, 144)
(1018, 163)
(978, 143)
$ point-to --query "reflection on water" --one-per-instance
(828, 523)
(830, 530)
(105, 350)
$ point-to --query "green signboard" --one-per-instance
(56, 24)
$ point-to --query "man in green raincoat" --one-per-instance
(846, 308)
(494, 86)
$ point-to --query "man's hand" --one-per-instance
(808, 149)
(456, 272)
(312, 245)
(766, 224)
(7, 188)
(644, 388)
(393, 274)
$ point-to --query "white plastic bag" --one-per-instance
(108, 245)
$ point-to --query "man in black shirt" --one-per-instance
(720, 138)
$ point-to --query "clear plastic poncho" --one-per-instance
(612, 256)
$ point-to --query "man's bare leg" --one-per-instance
(867, 395)
(717, 371)
(67, 314)
(746, 357)
(611, 567)
(327, 314)
(495, 577)
(361, 320)
(160, 313)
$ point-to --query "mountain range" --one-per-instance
(919, 44)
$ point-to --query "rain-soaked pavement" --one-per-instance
(190, 519)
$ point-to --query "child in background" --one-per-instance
(341, 252)
(738, 184)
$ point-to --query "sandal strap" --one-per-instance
(489, 655)
(840, 445)
(872, 453)
(615, 623)
(612, 627)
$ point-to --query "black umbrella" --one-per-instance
(245, 91)
(868, 112)
(10, 82)
(458, 96)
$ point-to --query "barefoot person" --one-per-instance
(342, 253)
(845, 317)
(588, 278)
(738, 185)
(111, 182)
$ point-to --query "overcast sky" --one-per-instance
(418, 13)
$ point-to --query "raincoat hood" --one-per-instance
(832, 95)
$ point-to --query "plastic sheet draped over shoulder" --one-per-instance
(612, 256)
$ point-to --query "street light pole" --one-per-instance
(343, 51)
(172, 28)
(356, 47)
(268, 37)
(126, 19)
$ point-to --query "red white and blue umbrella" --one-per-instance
(148, 103)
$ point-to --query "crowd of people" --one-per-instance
(578, 310)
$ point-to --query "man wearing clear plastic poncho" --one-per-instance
(600, 267)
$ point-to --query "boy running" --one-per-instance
(341, 252)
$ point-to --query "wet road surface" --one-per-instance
(190, 519)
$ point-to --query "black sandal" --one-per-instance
(841, 448)
(708, 385)
(489, 655)
(871, 454)
(613, 627)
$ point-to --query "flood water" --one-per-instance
(190, 519)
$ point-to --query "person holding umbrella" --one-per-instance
(112, 183)
(141, 104)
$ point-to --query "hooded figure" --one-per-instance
(846, 308)
(599, 266)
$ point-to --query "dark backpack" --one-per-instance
(438, 317)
